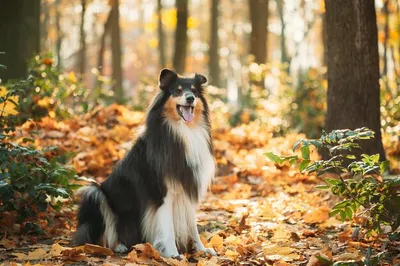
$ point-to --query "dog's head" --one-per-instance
(185, 100)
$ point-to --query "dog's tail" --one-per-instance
(90, 218)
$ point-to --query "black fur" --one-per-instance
(138, 180)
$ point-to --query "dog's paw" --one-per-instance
(120, 248)
(210, 251)
(179, 257)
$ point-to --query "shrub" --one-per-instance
(31, 180)
(364, 192)
(309, 107)
(48, 91)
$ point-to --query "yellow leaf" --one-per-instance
(232, 254)
(216, 242)
(8, 108)
(277, 250)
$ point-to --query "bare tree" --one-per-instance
(386, 37)
(82, 48)
(281, 12)
(106, 30)
(181, 38)
(161, 38)
(59, 33)
(20, 36)
(259, 29)
(213, 61)
(116, 53)
(353, 69)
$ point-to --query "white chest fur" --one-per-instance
(198, 155)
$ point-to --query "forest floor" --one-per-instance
(256, 212)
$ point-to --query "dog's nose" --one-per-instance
(190, 99)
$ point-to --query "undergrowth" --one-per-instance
(365, 193)
(32, 180)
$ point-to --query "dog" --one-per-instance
(153, 193)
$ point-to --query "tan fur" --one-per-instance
(170, 110)
(172, 114)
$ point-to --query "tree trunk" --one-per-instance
(161, 38)
(324, 41)
(116, 53)
(213, 56)
(386, 37)
(181, 36)
(353, 69)
(259, 29)
(59, 34)
(100, 58)
(45, 10)
(20, 36)
(82, 49)
(281, 13)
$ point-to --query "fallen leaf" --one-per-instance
(8, 244)
(56, 250)
(216, 242)
(232, 254)
(348, 256)
(97, 250)
(37, 254)
(274, 249)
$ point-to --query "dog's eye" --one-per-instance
(178, 92)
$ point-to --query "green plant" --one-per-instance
(48, 91)
(360, 184)
(309, 106)
(31, 180)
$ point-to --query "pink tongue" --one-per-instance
(187, 114)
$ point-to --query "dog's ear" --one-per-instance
(166, 78)
(200, 79)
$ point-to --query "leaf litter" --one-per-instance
(256, 212)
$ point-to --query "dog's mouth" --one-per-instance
(186, 112)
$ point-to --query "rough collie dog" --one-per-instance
(153, 193)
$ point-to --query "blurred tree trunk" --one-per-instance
(45, 10)
(353, 69)
(324, 41)
(213, 56)
(20, 36)
(161, 38)
(58, 33)
(100, 58)
(116, 53)
(386, 37)
(281, 12)
(82, 49)
(259, 30)
(181, 36)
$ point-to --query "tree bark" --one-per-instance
(161, 38)
(20, 36)
(386, 37)
(353, 69)
(324, 41)
(59, 34)
(45, 10)
(181, 36)
(284, 54)
(100, 58)
(82, 49)
(213, 55)
(259, 29)
(116, 53)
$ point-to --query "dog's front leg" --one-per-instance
(194, 233)
(164, 239)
